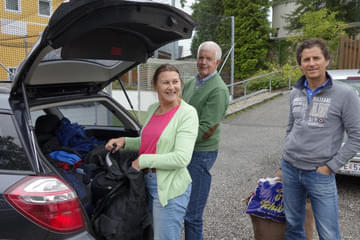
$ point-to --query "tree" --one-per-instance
(182, 3)
(347, 11)
(12, 156)
(208, 14)
(251, 34)
(322, 24)
(251, 31)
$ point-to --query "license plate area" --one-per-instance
(350, 168)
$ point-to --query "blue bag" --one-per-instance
(73, 135)
(267, 201)
(66, 157)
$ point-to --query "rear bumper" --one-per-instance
(82, 236)
(351, 168)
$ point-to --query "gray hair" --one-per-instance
(210, 45)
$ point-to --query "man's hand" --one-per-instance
(324, 170)
(278, 174)
(210, 132)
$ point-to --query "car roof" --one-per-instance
(343, 74)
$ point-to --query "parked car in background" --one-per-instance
(349, 77)
(86, 45)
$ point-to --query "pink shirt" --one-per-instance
(153, 129)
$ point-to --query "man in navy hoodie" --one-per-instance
(321, 110)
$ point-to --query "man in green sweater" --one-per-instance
(208, 93)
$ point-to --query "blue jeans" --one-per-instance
(322, 191)
(167, 221)
(199, 169)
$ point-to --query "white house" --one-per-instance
(279, 12)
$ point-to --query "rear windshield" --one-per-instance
(12, 155)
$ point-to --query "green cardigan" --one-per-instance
(211, 101)
(173, 151)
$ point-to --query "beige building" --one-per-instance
(21, 23)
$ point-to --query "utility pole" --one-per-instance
(173, 44)
(26, 45)
(232, 55)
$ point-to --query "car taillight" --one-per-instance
(48, 201)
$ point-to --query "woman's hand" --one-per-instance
(118, 142)
(135, 164)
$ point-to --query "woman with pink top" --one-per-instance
(165, 148)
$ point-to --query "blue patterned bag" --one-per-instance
(267, 201)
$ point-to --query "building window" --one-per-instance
(164, 55)
(45, 8)
(12, 5)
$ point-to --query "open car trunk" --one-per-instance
(112, 193)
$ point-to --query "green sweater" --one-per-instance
(173, 151)
(211, 101)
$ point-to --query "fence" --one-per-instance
(141, 92)
(349, 55)
(257, 84)
(144, 73)
(12, 51)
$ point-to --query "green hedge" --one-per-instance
(278, 80)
